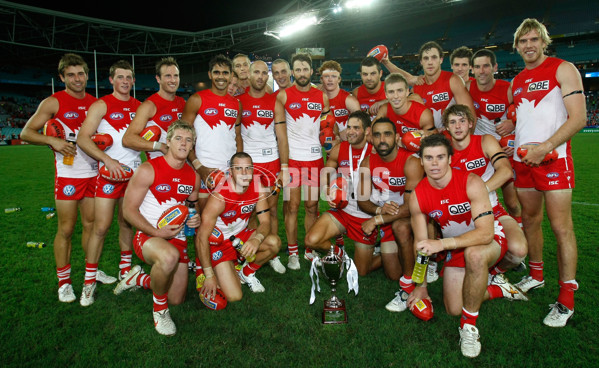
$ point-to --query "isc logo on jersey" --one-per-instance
(314, 106)
(248, 208)
(539, 86)
(458, 209)
(475, 164)
(495, 108)
(265, 114)
(341, 112)
(231, 113)
(441, 97)
(397, 182)
(184, 189)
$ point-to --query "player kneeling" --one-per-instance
(156, 186)
(229, 208)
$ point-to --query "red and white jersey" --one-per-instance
(115, 122)
(170, 187)
(366, 99)
(389, 178)
(437, 96)
(349, 170)
(302, 113)
(258, 128)
(166, 112)
(539, 105)
(238, 208)
(490, 105)
(215, 129)
(472, 159)
(339, 110)
(409, 121)
(71, 114)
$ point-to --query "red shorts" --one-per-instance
(225, 251)
(554, 176)
(140, 238)
(110, 189)
(74, 189)
(267, 172)
(455, 257)
(353, 227)
(305, 173)
(499, 211)
(386, 233)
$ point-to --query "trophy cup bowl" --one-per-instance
(334, 308)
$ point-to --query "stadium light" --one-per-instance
(297, 25)
(355, 4)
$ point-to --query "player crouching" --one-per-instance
(156, 186)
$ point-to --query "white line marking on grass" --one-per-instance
(586, 203)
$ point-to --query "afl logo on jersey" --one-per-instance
(344, 163)
(211, 111)
(364, 107)
(246, 113)
(295, 106)
(476, 106)
(163, 188)
(435, 214)
(116, 116)
(552, 175)
(229, 214)
(166, 118)
(70, 115)
(518, 91)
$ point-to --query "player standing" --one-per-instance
(281, 73)
(460, 60)
(551, 109)
(74, 184)
(371, 94)
(111, 115)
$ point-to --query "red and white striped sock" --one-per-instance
(293, 249)
(468, 317)
(91, 270)
(143, 280)
(406, 283)
(125, 263)
(64, 275)
(536, 270)
(160, 302)
(250, 268)
(566, 293)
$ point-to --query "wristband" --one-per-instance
(261, 239)
(449, 243)
(157, 146)
(378, 210)
(196, 164)
(208, 272)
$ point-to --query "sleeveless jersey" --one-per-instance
(437, 96)
(115, 122)
(71, 114)
(344, 168)
(490, 105)
(166, 113)
(409, 121)
(339, 110)
(258, 128)
(215, 129)
(366, 99)
(238, 209)
(539, 105)
(472, 160)
(302, 113)
(388, 178)
(169, 188)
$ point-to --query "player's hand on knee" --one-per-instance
(169, 231)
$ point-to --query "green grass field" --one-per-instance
(277, 328)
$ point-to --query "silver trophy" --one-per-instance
(333, 267)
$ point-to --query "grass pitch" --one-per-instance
(277, 328)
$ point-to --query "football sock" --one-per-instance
(494, 292)
(536, 270)
(468, 317)
(91, 270)
(339, 240)
(125, 263)
(143, 280)
(292, 249)
(250, 268)
(406, 283)
(566, 293)
(160, 302)
(64, 275)
(339, 250)
(496, 270)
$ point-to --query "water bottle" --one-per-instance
(238, 244)
(48, 209)
(13, 209)
(192, 211)
(32, 244)
(69, 159)
(277, 188)
(420, 268)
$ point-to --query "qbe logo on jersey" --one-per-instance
(184, 189)
(314, 106)
(231, 113)
(440, 97)
(495, 108)
(475, 164)
(248, 208)
(538, 86)
(340, 112)
(397, 182)
(459, 209)
(265, 114)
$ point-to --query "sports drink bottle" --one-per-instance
(238, 244)
(69, 159)
(420, 268)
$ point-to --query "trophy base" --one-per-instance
(334, 314)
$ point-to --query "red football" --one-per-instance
(549, 157)
(327, 121)
(423, 309)
(102, 140)
(106, 174)
(339, 189)
(508, 141)
(379, 52)
(327, 136)
(215, 179)
(53, 128)
(175, 215)
(411, 141)
(511, 113)
(151, 133)
(216, 237)
(218, 302)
